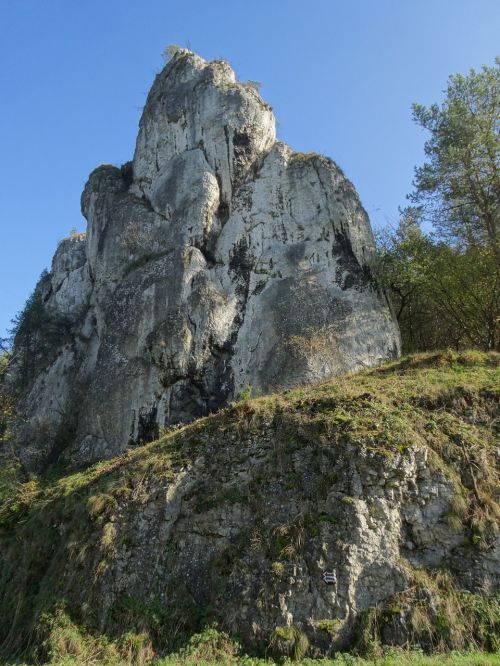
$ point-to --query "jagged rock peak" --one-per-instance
(199, 105)
(218, 261)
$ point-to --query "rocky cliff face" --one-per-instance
(360, 510)
(218, 259)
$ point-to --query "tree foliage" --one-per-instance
(459, 185)
(442, 295)
(7, 401)
(37, 332)
(445, 285)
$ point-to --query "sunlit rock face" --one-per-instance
(216, 260)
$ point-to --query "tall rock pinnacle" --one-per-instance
(219, 259)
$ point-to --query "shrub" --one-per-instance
(245, 394)
(289, 642)
(256, 85)
(436, 615)
(171, 51)
(210, 645)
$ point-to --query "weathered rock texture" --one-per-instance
(236, 519)
(217, 259)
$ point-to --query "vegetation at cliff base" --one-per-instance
(69, 645)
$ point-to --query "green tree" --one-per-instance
(401, 259)
(459, 283)
(37, 332)
(445, 285)
(443, 295)
(458, 188)
(7, 401)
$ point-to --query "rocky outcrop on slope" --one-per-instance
(300, 514)
(218, 260)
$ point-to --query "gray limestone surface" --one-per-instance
(218, 260)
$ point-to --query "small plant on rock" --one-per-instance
(289, 642)
(245, 394)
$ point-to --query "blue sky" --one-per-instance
(341, 76)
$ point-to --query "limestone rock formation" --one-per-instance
(217, 260)
(387, 482)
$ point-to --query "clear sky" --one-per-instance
(340, 74)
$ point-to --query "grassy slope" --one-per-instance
(447, 401)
